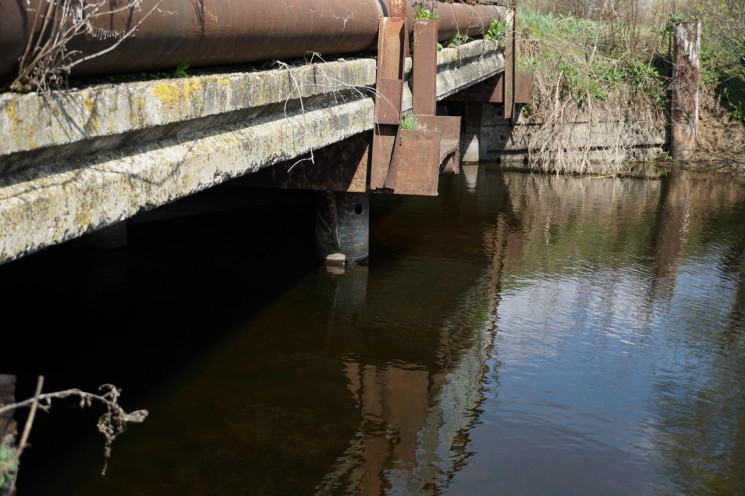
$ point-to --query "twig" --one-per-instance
(111, 424)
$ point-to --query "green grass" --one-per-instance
(423, 14)
(593, 59)
(497, 31)
(6, 455)
(410, 122)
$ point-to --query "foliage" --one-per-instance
(410, 122)
(497, 31)
(423, 14)
(721, 67)
(180, 70)
(580, 85)
(614, 61)
(6, 457)
(457, 39)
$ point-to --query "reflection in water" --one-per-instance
(519, 334)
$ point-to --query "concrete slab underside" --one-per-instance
(75, 161)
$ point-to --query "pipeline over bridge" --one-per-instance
(78, 160)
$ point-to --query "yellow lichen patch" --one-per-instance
(192, 88)
(168, 93)
(11, 111)
(18, 132)
(178, 95)
(88, 103)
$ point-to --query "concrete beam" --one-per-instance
(78, 160)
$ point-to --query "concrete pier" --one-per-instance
(343, 227)
(470, 143)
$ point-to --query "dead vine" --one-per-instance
(111, 423)
(48, 57)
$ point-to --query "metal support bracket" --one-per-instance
(410, 161)
(392, 39)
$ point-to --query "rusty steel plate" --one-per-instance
(398, 8)
(449, 127)
(418, 162)
(424, 77)
(388, 96)
(383, 141)
(390, 48)
(389, 91)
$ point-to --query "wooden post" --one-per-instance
(686, 75)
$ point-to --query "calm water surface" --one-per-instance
(519, 334)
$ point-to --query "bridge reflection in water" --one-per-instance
(519, 333)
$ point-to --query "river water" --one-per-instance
(518, 334)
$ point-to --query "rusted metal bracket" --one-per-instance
(409, 161)
(392, 38)
(424, 97)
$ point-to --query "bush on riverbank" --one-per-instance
(618, 68)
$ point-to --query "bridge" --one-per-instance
(327, 118)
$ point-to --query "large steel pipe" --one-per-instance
(219, 32)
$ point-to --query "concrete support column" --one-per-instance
(471, 174)
(686, 75)
(470, 140)
(343, 226)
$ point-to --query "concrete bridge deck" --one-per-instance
(75, 161)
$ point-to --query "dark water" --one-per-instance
(523, 335)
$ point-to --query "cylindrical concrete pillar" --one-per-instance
(471, 174)
(470, 140)
(343, 225)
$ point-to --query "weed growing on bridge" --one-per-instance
(423, 14)
(497, 31)
(180, 70)
(457, 40)
(410, 122)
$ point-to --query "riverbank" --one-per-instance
(601, 98)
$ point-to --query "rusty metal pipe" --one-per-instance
(221, 32)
